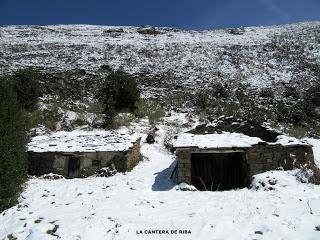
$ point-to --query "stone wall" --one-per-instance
(57, 162)
(93, 161)
(46, 162)
(262, 158)
(259, 158)
(184, 165)
(133, 156)
(265, 157)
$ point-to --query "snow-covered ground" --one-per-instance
(145, 199)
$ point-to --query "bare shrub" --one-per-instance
(151, 109)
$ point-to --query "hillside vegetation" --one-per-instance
(267, 74)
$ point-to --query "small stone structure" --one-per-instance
(222, 161)
(83, 153)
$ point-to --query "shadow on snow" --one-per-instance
(163, 181)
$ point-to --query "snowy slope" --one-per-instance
(145, 199)
(172, 59)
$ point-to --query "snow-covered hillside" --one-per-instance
(170, 58)
(278, 206)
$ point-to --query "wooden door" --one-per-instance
(217, 171)
(73, 167)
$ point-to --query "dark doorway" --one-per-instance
(217, 171)
(73, 167)
(96, 165)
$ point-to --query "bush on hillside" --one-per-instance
(26, 83)
(312, 95)
(302, 110)
(202, 99)
(205, 99)
(152, 109)
(220, 90)
(12, 144)
(267, 93)
(291, 92)
(120, 94)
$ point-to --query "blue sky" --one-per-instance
(186, 14)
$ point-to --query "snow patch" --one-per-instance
(287, 141)
(273, 180)
(316, 149)
(185, 187)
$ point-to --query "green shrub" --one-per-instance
(220, 90)
(201, 100)
(253, 111)
(151, 109)
(229, 108)
(178, 99)
(312, 95)
(109, 110)
(290, 112)
(297, 131)
(48, 117)
(33, 118)
(123, 89)
(282, 111)
(122, 119)
(170, 133)
(27, 86)
(95, 107)
(302, 110)
(13, 162)
(205, 100)
(291, 92)
(120, 93)
(266, 93)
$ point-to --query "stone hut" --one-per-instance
(224, 160)
(82, 153)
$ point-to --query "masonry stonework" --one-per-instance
(257, 159)
(133, 156)
(89, 162)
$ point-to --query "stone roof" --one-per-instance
(83, 141)
(224, 140)
(229, 140)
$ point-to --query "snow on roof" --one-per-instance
(290, 141)
(83, 141)
(229, 140)
(224, 140)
